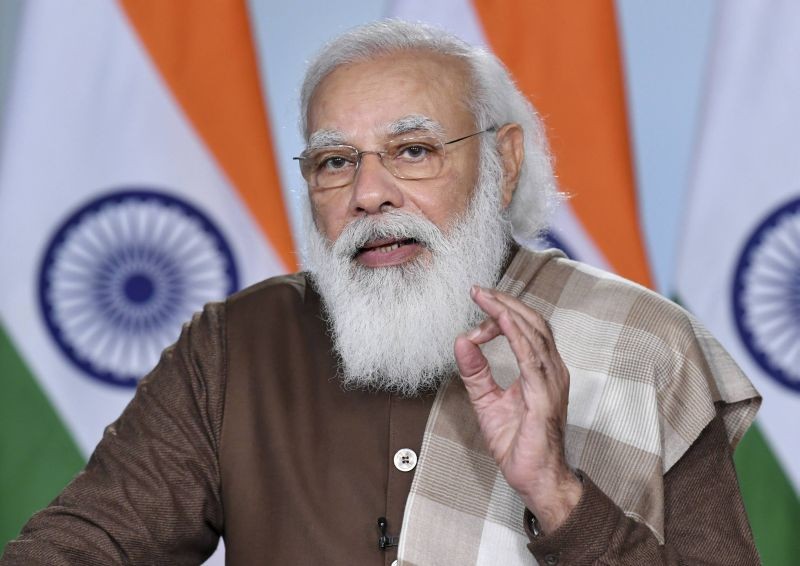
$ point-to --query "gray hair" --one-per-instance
(493, 99)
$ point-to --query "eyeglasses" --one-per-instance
(412, 158)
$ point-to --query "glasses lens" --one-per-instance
(329, 167)
(415, 158)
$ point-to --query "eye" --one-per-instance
(333, 161)
(414, 151)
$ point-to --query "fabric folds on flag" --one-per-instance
(137, 182)
(739, 266)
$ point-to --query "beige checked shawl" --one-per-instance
(644, 379)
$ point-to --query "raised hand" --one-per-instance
(523, 425)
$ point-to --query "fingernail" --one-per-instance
(474, 333)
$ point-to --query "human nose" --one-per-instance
(375, 189)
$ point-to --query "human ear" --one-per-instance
(511, 147)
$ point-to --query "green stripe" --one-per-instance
(37, 455)
(771, 501)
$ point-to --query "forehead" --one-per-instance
(362, 99)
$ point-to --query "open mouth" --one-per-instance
(385, 246)
(386, 252)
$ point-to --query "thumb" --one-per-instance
(469, 358)
(475, 372)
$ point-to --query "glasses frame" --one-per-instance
(381, 154)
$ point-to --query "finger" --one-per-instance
(541, 338)
(493, 307)
(522, 309)
(487, 302)
(535, 357)
(541, 333)
(544, 379)
(473, 367)
(530, 363)
(484, 332)
(529, 314)
(546, 363)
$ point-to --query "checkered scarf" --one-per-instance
(644, 377)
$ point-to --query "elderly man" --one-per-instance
(423, 344)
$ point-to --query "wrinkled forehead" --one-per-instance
(390, 95)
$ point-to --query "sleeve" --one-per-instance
(150, 492)
(705, 519)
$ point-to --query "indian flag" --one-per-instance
(137, 182)
(739, 268)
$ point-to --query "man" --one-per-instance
(423, 344)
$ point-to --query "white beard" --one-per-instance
(394, 327)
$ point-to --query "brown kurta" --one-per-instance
(243, 430)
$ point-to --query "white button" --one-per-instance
(405, 460)
(394, 562)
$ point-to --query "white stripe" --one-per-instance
(88, 113)
(747, 166)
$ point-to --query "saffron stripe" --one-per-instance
(568, 63)
(205, 54)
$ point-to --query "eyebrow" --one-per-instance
(325, 137)
(414, 123)
(402, 126)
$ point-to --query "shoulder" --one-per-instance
(572, 293)
(274, 317)
(293, 287)
(271, 304)
(206, 331)
(635, 344)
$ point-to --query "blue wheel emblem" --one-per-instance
(123, 273)
(766, 295)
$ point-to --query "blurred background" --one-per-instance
(145, 168)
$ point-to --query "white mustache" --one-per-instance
(393, 224)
